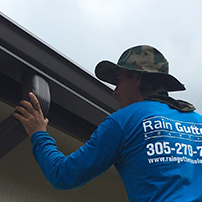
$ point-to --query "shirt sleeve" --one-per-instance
(89, 161)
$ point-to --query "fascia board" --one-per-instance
(71, 86)
(28, 47)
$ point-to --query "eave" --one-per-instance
(79, 101)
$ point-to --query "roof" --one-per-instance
(79, 102)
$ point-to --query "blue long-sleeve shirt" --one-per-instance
(156, 150)
(89, 161)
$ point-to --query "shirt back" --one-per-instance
(161, 159)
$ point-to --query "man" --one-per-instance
(154, 141)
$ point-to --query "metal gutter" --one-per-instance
(79, 102)
(72, 88)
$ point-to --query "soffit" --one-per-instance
(79, 101)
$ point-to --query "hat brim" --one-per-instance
(106, 71)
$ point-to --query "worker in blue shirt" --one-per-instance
(153, 140)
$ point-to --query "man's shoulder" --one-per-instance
(138, 110)
(141, 106)
(148, 108)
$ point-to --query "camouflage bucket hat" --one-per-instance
(146, 60)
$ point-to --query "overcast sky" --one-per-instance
(88, 31)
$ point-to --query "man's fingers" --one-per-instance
(46, 121)
(31, 115)
(19, 117)
(26, 105)
(22, 110)
(28, 108)
(35, 101)
(32, 105)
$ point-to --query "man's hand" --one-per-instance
(32, 117)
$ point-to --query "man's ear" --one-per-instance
(138, 80)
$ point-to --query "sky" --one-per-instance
(89, 31)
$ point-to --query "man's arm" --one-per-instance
(66, 172)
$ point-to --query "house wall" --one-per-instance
(21, 179)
